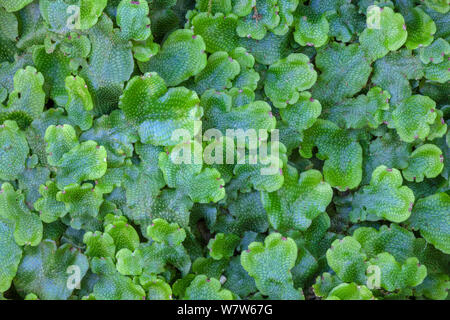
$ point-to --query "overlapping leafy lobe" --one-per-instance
(218, 73)
(420, 27)
(285, 78)
(85, 161)
(111, 284)
(55, 67)
(342, 155)
(123, 234)
(76, 47)
(223, 245)
(269, 49)
(396, 276)
(426, 161)
(99, 244)
(144, 50)
(299, 201)
(33, 30)
(201, 184)
(133, 21)
(431, 216)
(146, 204)
(264, 175)
(109, 65)
(27, 101)
(8, 34)
(286, 11)
(365, 110)
(237, 279)
(202, 288)
(63, 16)
(35, 133)
(248, 77)
(9, 27)
(8, 70)
(302, 114)
(434, 287)
(158, 111)
(393, 72)
(162, 231)
(350, 291)
(49, 208)
(145, 201)
(27, 225)
(345, 21)
(10, 255)
(31, 178)
(246, 214)
(384, 198)
(311, 29)
(262, 17)
(387, 34)
(221, 114)
(13, 151)
(116, 134)
(393, 239)
(90, 11)
(218, 31)
(413, 116)
(209, 267)
(9, 31)
(181, 57)
(43, 270)
(435, 52)
(392, 275)
(345, 71)
(60, 140)
(83, 204)
(129, 263)
(325, 283)
(167, 248)
(347, 259)
(79, 103)
(157, 289)
(164, 21)
(270, 263)
(438, 71)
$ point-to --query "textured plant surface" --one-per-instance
(94, 206)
